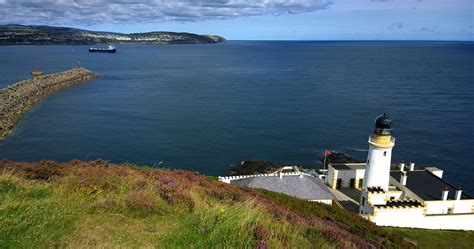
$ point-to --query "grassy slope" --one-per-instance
(95, 204)
(438, 239)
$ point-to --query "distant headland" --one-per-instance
(14, 34)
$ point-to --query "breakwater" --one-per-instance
(18, 98)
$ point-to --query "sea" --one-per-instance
(209, 107)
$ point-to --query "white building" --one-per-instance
(297, 184)
(405, 197)
(346, 175)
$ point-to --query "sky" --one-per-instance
(257, 19)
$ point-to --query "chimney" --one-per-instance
(402, 165)
(458, 194)
(444, 196)
(412, 166)
(403, 179)
(301, 175)
(280, 174)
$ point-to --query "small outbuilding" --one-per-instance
(303, 186)
(346, 175)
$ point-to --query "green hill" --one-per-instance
(14, 34)
(97, 204)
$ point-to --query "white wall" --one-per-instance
(395, 194)
(377, 198)
(360, 174)
(345, 176)
(330, 176)
(441, 207)
(437, 172)
(414, 218)
(325, 201)
(365, 207)
(370, 200)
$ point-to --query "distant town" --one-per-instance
(39, 35)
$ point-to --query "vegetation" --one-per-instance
(345, 219)
(97, 204)
(34, 34)
(437, 239)
(254, 167)
(339, 157)
(217, 38)
(263, 167)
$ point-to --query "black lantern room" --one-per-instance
(383, 125)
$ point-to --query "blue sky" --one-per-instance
(258, 19)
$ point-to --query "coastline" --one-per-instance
(19, 97)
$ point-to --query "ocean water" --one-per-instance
(206, 107)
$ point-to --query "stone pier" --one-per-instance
(18, 98)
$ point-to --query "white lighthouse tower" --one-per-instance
(381, 142)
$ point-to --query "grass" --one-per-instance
(344, 219)
(28, 215)
(96, 204)
(437, 239)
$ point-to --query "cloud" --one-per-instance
(425, 29)
(396, 25)
(89, 12)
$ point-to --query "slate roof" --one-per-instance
(427, 185)
(349, 166)
(307, 187)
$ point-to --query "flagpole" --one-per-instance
(325, 156)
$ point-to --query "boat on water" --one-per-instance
(109, 49)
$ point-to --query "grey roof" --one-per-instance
(427, 185)
(349, 166)
(306, 187)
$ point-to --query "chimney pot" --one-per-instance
(403, 179)
(412, 166)
(458, 194)
(444, 196)
(402, 166)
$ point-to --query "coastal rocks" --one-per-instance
(339, 157)
(18, 98)
(254, 167)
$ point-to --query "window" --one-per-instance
(384, 153)
(363, 201)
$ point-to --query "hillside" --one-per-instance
(97, 204)
(41, 35)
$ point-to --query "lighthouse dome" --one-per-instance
(383, 125)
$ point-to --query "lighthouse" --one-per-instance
(381, 142)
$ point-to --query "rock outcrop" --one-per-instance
(18, 98)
